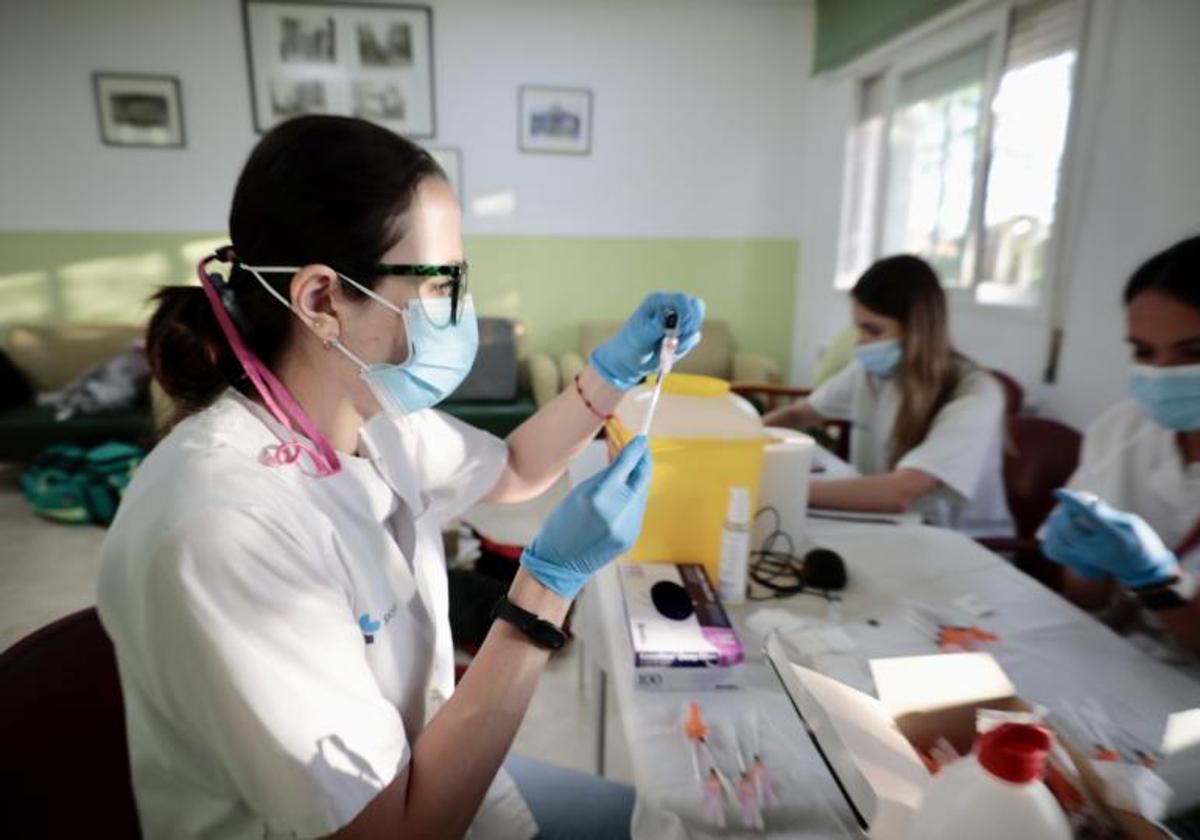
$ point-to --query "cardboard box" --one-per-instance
(871, 745)
(699, 651)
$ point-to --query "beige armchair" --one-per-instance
(537, 373)
(716, 355)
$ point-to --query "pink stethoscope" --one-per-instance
(275, 396)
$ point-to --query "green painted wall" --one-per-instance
(848, 28)
(549, 283)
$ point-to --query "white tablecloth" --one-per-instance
(1054, 653)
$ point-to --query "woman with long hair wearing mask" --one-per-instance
(1128, 526)
(926, 424)
(274, 583)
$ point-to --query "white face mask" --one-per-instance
(440, 353)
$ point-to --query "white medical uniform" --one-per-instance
(963, 449)
(283, 639)
(1135, 465)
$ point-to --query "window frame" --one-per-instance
(971, 25)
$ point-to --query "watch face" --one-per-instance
(1165, 598)
(550, 636)
(541, 632)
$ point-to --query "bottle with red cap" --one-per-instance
(996, 793)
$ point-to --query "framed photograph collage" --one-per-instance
(361, 59)
(369, 61)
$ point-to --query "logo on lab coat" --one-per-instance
(370, 626)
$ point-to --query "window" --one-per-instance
(936, 121)
(861, 186)
(1029, 118)
(957, 151)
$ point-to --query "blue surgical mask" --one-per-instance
(1170, 396)
(440, 353)
(439, 357)
(879, 357)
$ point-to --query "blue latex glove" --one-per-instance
(1095, 540)
(600, 519)
(633, 353)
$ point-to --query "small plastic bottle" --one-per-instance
(996, 793)
(735, 548)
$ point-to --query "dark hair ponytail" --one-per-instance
(189, 356)
(316, 189)
(1174, 272)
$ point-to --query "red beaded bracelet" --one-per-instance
(579, 390)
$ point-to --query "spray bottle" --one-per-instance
(735, 548)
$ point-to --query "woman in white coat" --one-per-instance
(274, 583)
(1128, 527)
(926, 423)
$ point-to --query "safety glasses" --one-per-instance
(454, 288)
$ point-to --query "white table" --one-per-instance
(1054, 653)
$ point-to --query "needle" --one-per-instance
(670, 344)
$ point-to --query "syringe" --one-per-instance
(666, 360)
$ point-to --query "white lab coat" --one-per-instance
(1135, 465)
(963, 449)
(283, 639)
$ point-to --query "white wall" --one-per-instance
(696, 113)
(1134, 188)
(1139, 193)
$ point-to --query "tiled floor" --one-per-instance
(48, 570)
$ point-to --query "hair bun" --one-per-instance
(187, 352)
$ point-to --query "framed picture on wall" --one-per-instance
(369, 60)
(136, 109)
(450, 159)
(555, 120)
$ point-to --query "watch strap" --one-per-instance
(542, 633)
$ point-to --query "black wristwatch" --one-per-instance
(541, 632)
(1175, 593)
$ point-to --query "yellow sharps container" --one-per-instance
(704, 440)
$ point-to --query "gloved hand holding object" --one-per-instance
(633, 353)
(1090, 537)
(600, 519)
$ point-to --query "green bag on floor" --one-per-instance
(69, 483)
